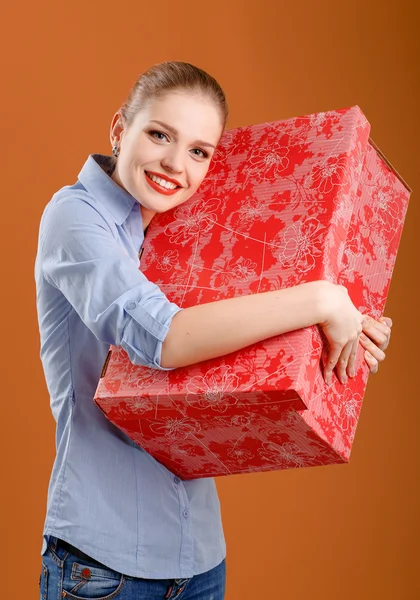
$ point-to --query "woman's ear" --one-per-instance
(116, 129)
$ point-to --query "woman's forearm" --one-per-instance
(217, 328)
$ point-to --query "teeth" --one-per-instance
(162, 182)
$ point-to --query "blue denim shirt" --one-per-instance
(106, 495)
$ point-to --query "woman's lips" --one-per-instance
(160, 188)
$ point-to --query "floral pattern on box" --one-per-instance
(283, 203)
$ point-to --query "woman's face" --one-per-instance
(166, 151)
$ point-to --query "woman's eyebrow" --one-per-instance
(175, 132)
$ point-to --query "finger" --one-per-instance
(351, 365)
(333, 356)
(386, 320)
(378, 332)
(372, 362)
(369, 324)
(368, 345)
(342, 362)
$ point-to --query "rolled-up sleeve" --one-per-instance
(81, 257)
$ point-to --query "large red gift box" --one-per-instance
(283, 203)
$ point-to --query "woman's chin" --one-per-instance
(155, 207)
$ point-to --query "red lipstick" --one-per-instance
(159, 188)
(166, 178)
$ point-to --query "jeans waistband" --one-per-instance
(75, 551)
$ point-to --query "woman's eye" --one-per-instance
(201, 153)
(159, 135)
(156, 135)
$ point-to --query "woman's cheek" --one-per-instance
(201, 175)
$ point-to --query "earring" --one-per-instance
(115, 151)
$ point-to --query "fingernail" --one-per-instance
(386, 321)
(344, 380)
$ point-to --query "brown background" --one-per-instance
(343, 532)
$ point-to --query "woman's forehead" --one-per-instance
(184, 111)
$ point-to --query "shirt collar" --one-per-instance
(95, 176)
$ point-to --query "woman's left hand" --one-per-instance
(375, 338)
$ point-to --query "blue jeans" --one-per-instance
(74, 575)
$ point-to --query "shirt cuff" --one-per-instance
(145, 333)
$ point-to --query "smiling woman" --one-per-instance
(118, 523)
(162, 168)
(191, 111)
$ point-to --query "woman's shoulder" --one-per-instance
(73, 203)
(71, 194)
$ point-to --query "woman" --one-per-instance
(118, 523)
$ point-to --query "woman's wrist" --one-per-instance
(303, 305)
(322, 290)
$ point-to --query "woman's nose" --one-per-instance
(173, 162)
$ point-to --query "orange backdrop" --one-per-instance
(333, 532)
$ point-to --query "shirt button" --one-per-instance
(177, 480)
(131, 305)
(186, 514)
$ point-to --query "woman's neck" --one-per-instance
(146, 215)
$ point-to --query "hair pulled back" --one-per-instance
(170, 76)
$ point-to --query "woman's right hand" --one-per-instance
(342, 327)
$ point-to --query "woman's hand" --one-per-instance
(342, 328)
(375, 339)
